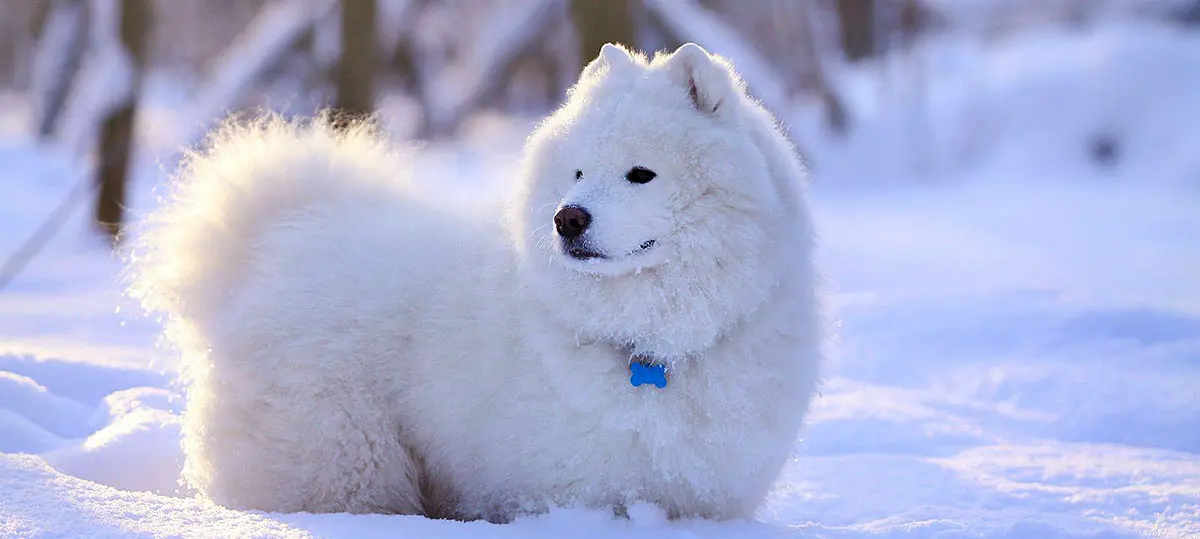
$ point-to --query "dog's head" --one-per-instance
(656, 202)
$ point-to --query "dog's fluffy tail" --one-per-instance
(189, 255)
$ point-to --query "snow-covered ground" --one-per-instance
(1018, 356)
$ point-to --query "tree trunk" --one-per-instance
(835, 112)
(356, 69)
(856, 19)
(116, 135)
(603, 21)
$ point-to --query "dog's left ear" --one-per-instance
(615, 58)
(708, 81)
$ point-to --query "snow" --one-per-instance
(1019, 340)
(1030, 112)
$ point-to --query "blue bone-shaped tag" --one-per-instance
(647, 373)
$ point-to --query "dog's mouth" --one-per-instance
(584, 253)
(581, 253)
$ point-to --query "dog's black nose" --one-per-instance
(571, 221)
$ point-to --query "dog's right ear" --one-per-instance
(613, 57)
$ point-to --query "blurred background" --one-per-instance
(870, 90)
(1006, 194)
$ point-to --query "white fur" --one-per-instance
(353, 345)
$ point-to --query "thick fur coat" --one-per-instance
(352, 344)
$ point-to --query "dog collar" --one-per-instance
(642, 371)
(643, 367)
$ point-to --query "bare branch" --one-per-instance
(510, 36)
(269, 37)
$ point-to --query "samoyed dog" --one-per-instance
(637, 323)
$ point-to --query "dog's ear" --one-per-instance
(708, 81)
(613, 57)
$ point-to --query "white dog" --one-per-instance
(639, 323)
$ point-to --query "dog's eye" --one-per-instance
(640, 175)
(578, 174)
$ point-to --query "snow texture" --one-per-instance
(1019, 350)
